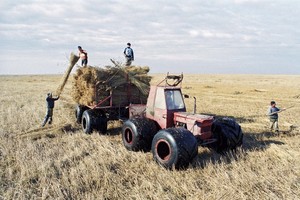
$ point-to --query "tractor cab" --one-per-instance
(164, 100)
(166, 106)
(162, 103)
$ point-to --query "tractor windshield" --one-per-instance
(174, 99)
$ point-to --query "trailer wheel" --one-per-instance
(78, 112)
(137, 134)
(87, 121)
(174, 147)
(101, 121)
(228, 133)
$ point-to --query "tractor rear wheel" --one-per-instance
(228, 134)
(174, 147)
(137, 134)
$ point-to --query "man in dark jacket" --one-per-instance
(128, 53)
(273, 115)
(50, 105)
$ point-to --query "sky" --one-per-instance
(187, 36)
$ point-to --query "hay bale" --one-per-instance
(126, 84)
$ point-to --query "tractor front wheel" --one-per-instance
(174, 147)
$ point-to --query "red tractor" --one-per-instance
(172, 134)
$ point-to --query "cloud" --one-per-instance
(246, 1)
(231, 35)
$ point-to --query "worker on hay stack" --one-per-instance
(128, 53)
(83, 56)
(50, 105)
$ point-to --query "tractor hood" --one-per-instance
(190, 117)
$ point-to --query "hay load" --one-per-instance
(125, 85)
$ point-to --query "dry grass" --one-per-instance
(60, 162)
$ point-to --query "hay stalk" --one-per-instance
(73, 60)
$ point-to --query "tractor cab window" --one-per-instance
(174, 99)
(159, 99)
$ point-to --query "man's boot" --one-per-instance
(45, 121)
(50, 120)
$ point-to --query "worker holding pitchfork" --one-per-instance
(273, 115)
(50, 105)
(83, 56)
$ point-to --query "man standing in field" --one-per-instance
(273, 115)
(128, 53)
(50, 105)
(83, 56)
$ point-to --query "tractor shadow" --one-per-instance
(49, 131)
(251, 142)
(71, 128)
(114, 127)
(114, 131)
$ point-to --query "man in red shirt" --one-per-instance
(83, 56)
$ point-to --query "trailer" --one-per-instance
(108, 100)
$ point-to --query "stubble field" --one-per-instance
(61, 162)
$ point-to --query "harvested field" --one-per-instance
(61, 162)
